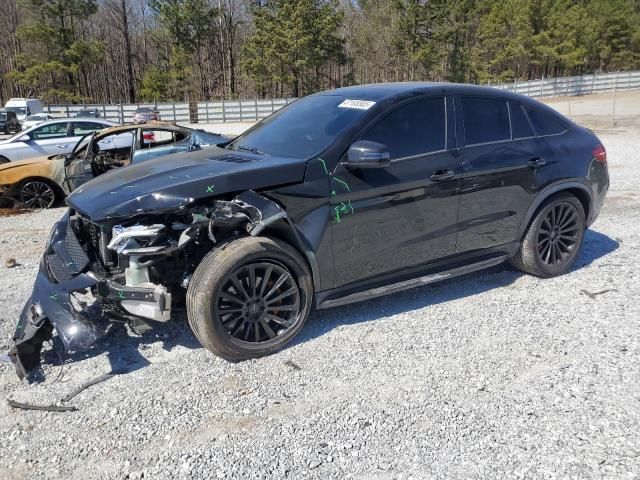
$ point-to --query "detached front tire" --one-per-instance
(554, 239)
(249, 298)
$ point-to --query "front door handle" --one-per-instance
(62, 146)
(442, 175)
(537, 162)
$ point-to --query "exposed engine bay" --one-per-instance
(133, 271)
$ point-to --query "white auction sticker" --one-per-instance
(357, 104)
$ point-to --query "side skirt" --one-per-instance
(408, 284)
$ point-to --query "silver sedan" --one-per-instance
(49, 138)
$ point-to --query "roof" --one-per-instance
(380, 91)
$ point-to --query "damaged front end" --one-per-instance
(131, 270)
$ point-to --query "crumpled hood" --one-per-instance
(174, 181)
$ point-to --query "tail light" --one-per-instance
(600, 154)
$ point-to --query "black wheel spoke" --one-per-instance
(237, 327)
(265, 280)
(285, 308)
(231, 298)
(284, 295)
(571, 238)
(237, 283)
(276, 285)
(570, 229)
(268, 330)
(252, 280)
(571, 219)
(247, 331)
(277, 319)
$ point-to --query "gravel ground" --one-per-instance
(492, 375)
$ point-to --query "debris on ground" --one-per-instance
(11, 263)
(593, 295)
(46, 408)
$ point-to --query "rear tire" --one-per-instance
(554, 239)
(249, 298)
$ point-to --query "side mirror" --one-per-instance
(367, 154)
(24, 138)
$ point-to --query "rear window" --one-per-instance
(82, 128)
(519, 123)
(413, 129)
(545, 123)
(485, 120)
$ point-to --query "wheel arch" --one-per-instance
(575, 188)
(265, 217)
(284, 230)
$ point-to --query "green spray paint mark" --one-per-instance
(121, 294)
(210, 188)
(324, 165)
(54, 297)
(342, 182)
(337, 214)
(333, 193)
(171, 177)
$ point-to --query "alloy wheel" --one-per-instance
(259, 302)
(558, 235)
(37, 194)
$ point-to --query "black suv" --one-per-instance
(9, 122)
(339, 197)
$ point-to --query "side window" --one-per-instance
(545, 123)
(519, 124)
(55, 130)
(82, 128)
(485, 120)
(116, 141)
(413, 129)
(156, 138)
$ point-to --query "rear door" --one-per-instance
(386, 220)
(503, 167)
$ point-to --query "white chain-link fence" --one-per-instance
(251, 110)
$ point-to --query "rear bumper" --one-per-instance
(63, 273)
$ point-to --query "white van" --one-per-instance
(24, 107)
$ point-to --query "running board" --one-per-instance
(413, 283)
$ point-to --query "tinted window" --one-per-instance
(485, 120)
(55, 130)
(545, 123)
(519, 123)
(303, 128)
(412, 129)
(82, 128)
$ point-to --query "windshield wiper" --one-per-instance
(249, 149)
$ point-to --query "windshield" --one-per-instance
(18, 110)
(302, 129)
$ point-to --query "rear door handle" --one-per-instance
(62, 146)
(537, 162)
(442, 175)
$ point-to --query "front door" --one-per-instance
(51, 139)
(386, 220)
